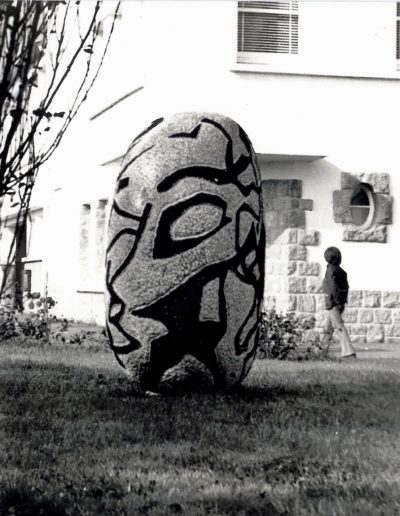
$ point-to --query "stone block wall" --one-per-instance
(373, 316)
(294, 284)
(370, 316)
(291, 282)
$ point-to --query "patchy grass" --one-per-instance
(307, 438)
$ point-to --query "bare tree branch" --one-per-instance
(66, 42)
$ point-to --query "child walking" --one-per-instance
(336, 290)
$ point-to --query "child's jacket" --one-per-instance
(336, 287)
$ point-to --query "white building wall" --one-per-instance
(351, 120)
(370, 266)
(339, 99)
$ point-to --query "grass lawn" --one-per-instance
(297, 438)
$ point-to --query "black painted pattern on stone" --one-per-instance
(192, 134)
(123, 183)
(115, 300)
(164, 245)
(153, 125)
(131, 161)
(179, 310)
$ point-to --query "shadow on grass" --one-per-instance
(65, 391)
(61, 379)
(24, 502)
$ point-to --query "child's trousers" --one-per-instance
(334, 322)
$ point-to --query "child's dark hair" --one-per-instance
(333, 256)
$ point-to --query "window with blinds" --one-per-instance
(266, 28)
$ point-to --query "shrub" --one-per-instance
(34, 326)
(88, 338)
(285, 336)
(8, 321)
(34, 323)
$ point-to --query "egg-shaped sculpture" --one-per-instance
(185, 254)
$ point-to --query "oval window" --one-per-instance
(362, 206)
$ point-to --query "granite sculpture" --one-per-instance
(185, 254)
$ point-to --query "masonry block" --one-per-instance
(272, 188)
(341, 205)
(271, 219)
(392, 340)
(379, 181)
(290, 188)
(292, 219)
(349, 181)
(392, 330)
(350, 315)
(270, 234)
(308, 268)
(355, 298)
(396, 316)
(358, 329)
(314, 284)
(375, 233)
(296, 285)
(291, 267)
(269, 302)
(372, 299)
(366, 316)
(391, 300)
(375, 333)
(269, 205)
(309, 238)
(292, 303)
(282, 203)
(383, 209)
(306, 204)
(306, 303)
(383, 316)
(320, 302)
(287, 236)
(296, 252)
(300, 234)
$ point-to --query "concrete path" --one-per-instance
(372, 350)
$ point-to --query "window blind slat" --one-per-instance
(269, 5)
(267, 32)
(398, 39)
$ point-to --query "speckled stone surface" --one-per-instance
(185, 254)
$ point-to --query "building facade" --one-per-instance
(316, 87)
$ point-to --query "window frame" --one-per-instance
(299, 64)
(371, 206)
(27, 281)
(268, 58)
(92, 223)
